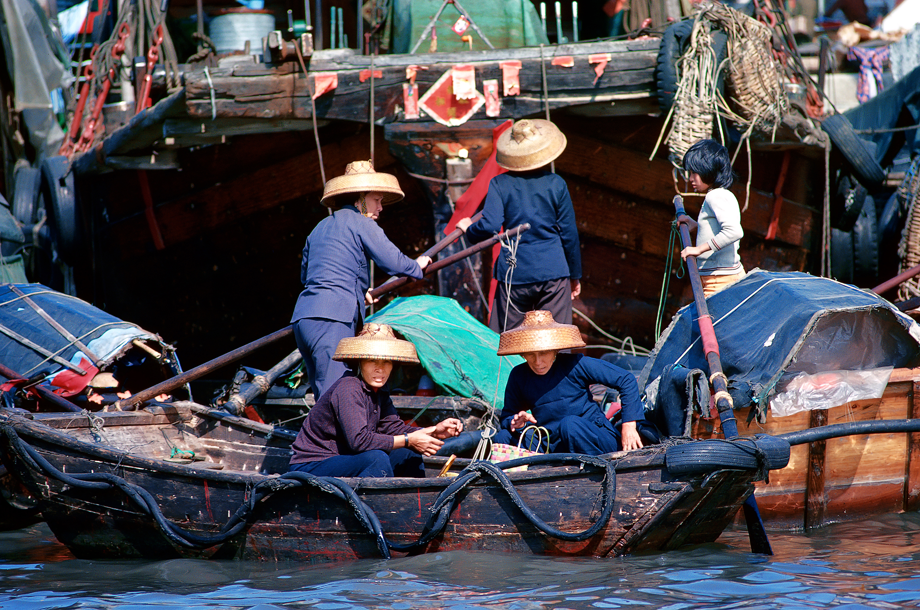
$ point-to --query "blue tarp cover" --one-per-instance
(771, 326)
(102, 333)
(456, 349)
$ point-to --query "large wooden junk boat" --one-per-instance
(182, 480)
(214, 175)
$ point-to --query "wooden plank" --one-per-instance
(815, 498)
(912, 482)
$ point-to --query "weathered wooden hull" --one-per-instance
(840, 479)
(652, 510)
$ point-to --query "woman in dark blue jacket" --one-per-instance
(547, 270)
(335, 268)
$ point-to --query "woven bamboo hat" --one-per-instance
(539, 332)
(360, 177)
(529, 144)
(376, 342)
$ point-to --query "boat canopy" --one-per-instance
(32, 345)
(457, 350)
(772, 327)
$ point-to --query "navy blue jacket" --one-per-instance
(565, 390)
(550, 249)
(335, 266)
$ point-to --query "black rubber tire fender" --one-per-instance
(847, 204)
(700, 457)
(26, 187)
(854, 149)
(673, 43)
(842, 256)
(865, 246)
(61, 206)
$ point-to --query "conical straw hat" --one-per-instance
(376, 342)
(360, 177)
(529, 144)
(539, 332)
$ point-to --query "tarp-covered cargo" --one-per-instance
(65, 340)
(773, 327)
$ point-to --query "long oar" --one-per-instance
(221, 361)
(450, 260)
(435, 249)
(760, 543)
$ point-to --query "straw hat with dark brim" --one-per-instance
(376, 342)
(529, 144)
(538, 333)
(360, 177)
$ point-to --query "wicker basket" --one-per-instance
(908, 194)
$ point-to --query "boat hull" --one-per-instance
(289, 520)
(840, 479)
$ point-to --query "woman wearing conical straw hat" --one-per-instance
(546, 272)
(551, 389)
(354, 431)
(335, 267)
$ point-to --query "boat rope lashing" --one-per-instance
(510, 244)
(666, 279)
(312, 93)
(442, 508)
(178, 452)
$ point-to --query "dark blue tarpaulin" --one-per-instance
(771, 326)
(31, 346)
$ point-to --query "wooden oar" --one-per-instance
(179, 380)
(760, 543)
(435, 249)
(450, 260)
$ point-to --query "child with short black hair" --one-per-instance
(718, 226)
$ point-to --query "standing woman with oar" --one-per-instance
(335, 269)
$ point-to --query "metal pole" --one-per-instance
(360, 26)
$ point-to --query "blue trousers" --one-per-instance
(317, 339)
(573, 434)
(400, 462)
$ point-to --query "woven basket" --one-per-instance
(756, 91)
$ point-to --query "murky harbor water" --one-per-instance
(870, 564)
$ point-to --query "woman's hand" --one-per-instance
(630, 436)
(693, 251)
(369, 299)
(521, 419)
(423, 261)
(576, 288)
(464, 223)
(683, 218)
(447, 428)
(422, 442)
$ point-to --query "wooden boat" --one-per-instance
(847, 478)
(829, 368)
(182, 480)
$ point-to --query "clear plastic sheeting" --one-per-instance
(457, 350)
(829, 389)
(771, 326)
(33, 52)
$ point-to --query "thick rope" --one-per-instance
(244, 515)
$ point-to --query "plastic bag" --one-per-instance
(829, 389)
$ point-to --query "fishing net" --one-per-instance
(457, 350)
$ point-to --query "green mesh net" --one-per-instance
(456, 349)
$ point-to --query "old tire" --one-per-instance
(59, 197)
(847, 203)
(865, 246)
(855, 150)
(674, 43)
(700, 457)
(842, 256)
(26, 187)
